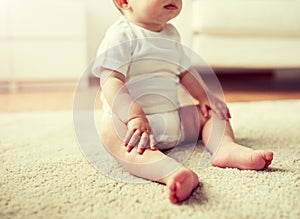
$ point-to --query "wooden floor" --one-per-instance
(236, 89)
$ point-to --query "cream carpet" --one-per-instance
(44, 175)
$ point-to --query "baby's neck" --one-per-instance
(149, 26)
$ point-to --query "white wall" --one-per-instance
(42, 40)
(100, 15)
(184, 23)
(56, 39)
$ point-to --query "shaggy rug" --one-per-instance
(43, 173)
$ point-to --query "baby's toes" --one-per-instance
(267, 164)
(263, 159)
(269, 155)
(172, 192)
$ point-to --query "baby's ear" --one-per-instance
(121, 4)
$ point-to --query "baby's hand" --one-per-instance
(216, 105)
(139, 131)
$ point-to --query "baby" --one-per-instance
(142, 114)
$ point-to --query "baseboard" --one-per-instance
(38, 85)
(287, 74)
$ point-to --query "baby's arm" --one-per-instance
(129, 111)
(197, 89)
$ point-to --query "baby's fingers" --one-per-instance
(220, 110)
(133, 140)
(152, 142)
(220, 114)
(228, 115)
(204, 110)
(143, 143)
(225, 113)
(128, 137)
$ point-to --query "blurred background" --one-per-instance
(45, 46)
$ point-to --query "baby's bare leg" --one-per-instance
(232, 154)
(227, 153)
(152, 165)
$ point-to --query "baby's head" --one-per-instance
(151, 14)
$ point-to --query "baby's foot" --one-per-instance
(181, 184)
(237, 156)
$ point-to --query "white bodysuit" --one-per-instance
(151, 63)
